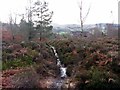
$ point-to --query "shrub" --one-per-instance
(100, 80)
(12, 64)
(68, 58)
(32, 53)
(24, 61)
(27, 79)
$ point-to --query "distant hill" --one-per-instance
(75, 27)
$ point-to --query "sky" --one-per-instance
(67, 11)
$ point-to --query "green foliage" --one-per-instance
(23, 62)
(11, 64)
(32, 53)
(68, 58)
(100, 79)
(27, 30)
(27, 60)
(97, 75)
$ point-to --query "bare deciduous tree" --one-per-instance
(83, 18)
(11, 25)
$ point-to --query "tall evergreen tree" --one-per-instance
(42, 19)
(26, 28)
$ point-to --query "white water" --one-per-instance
(63, 71)
(62, 68)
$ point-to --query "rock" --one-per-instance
(111, 80)
(46, 82)
(68, 83)
(87, 81)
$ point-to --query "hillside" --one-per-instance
(90, 64)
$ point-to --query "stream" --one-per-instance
(62, 68)
(60, 81)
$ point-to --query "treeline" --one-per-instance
(37, 24)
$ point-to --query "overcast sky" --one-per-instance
(67, 11)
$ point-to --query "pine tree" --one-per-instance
(42, 18)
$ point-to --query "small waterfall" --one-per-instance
(62, 68)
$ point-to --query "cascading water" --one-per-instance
(62, 68)
(58, 82)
